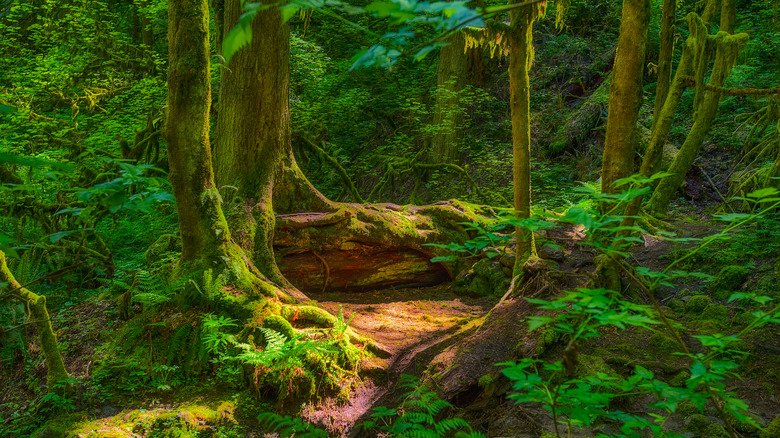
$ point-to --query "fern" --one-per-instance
(150, 290)
(287, 426)
(420, 408)
(178, 343)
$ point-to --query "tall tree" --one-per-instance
(665, 53)
(448, 114)
(521, 53)
(253, 131)
(625, 94)
(727, 48)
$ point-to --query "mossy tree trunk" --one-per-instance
(253, 133)
(147, 31)
(727, 48)
(521, 53)
(448, 113)
(55, 367)
(625, 95)
(204, 230)
(663, 119)
(665, 53)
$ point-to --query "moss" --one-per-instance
(696, 305)
(717, 313)
(547, 338)
(729, 279)
(486, 381)
(706, 326)
(678, 381)
(677, 306)
(663, 343)
(686, 409)
(592, 365)
(744, 318)
(310, 314)
(773, 430)
(697, 424)
(281, 325)
(154, 254)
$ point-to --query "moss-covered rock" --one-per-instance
(677, 306)
(729, 279)
(679, 379)
(696, 305)
(663, 343)
(697, 424)
(718, 313)
(588, 366)
(773, 430)
(485, 278)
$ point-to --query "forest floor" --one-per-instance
(412, 325)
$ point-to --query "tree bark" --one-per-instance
(728, 47)
(662, 120)
(204, 230)
(665, 56)
(253, 132)
(448, 114)
(55, 367)
(625, 95)
(521, 53)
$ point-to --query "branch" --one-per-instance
(691, 82)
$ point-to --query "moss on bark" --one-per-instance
(728, 47)
(55, 367)
(625, 95)
(521, 54)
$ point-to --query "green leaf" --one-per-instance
(763, 193)
(239, 36)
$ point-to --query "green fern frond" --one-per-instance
(418, 417)
(451, 424)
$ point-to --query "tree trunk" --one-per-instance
(448, 113)
(521, 53)
(662, 120)
(253, 132)
(147, 31)
(625, 95)
(204, 230)
(728, 47)
(665, 56)
(55, 367)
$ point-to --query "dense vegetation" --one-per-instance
(389, 218)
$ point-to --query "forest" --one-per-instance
(390, 218)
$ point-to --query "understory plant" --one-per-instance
(583, 401)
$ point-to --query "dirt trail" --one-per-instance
(412, 325)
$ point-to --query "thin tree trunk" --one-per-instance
(728, 16)
(728, 47)
(665, 56)
(521, 53)
(662, 120)
(147, 31)
(55, 367)
(625, 95)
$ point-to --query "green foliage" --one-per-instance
(287, 426)
(419, 415)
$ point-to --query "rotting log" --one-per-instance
(363, 247)
(356, 267)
